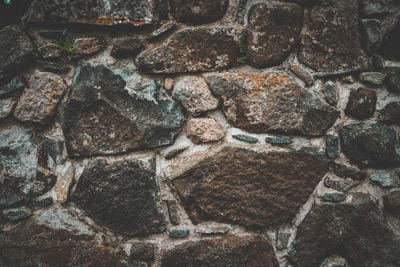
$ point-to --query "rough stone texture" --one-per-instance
(302, 73)
(273, 30)
(390, 113)
(194, 94)
(97, 12)
(49, 51)
(198, 12)
(39, 101)
(391, 201)
(329, 91)
(361, 104)
(121, 195)
(393, 78)
(164, 30)
(30, 244)
(335, 261)
(278, 140)
(6, 106)
(173, 212)
(391, 40)
(16, 51)
(333, 197)
(245, 138)
(229, 251)
(176, 233)
(204, 130)
(142, 251)
(24, 170)
(87, 46)
(375, 7)
(385, 179)
(373, 33)
(16, 214)
(193, 50)
(356, 229)
(339, 184)
(371, 144)
(330, 41)
(14, 85)
(332, 146)
(110, 111)
(64, 183)
(265, 188)
(373, 78)
(126, 46)
(271, 102)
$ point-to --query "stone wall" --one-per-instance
(200, 133)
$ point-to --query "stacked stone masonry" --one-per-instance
(200, 133)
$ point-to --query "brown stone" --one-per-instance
(220, 252)
(193, 50)
(204, 130)
(303, 74)
(391, 201)
(264, 189)
(390, 113)
(198, 12)
(126, 46)
(271, 102)
(361, 104)
(87, 46)
(273, 31)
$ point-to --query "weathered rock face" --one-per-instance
(39, 101)
(229, 251)
(391, 41)
(121, 195)
(271, 102)
(30, 244)
(204, 130)
(330, 42)
(265, 188)
(390, 113)
(126, 46)
(111, 111)
(16, 50)
(6, 106)
(24, 172)
(393, 78)
(193, 50)
(198, 12)
(361, 104)
(371, 144)
(355, 229)
(273, 31)
(98, 12)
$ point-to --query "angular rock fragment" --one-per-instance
(204, 130)
(390, 113)
(373, 33)
(227, 251)
(121, 195)
(265, 188)
(14, 85)
(164, 30)
(330, 42)
(339, 184)
(370, 144)
(142, 251)
(193, 50)
(332, 146)
(271, 102)
(6, 106)
(373, 78)
(176, 233)
(391, 201)
(385, 179)
(245, 138)
(273, 31)
(333, 197)
(393, 78)
(303, 74)
(391, 39)
(335, 261)
(87, 46)
(198, 12)
(356, 229)
(16, 214)
(361, 104)
(39, 101)
(277, 140)
(126, 46)
(329, 90)
(111, 111)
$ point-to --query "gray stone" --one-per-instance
(333, 197)
(390, 113)
(198, 12)
(370, 144)
(335, 261)
(42, 203)
(126, 46)
(208, 230)
(393, 78)
(142, 251)
(16, 214)
(373, 78)
(282, 240)
(14, 85)
(6, 106)
(278, 140)
(245, 138)
(40, 99)
(49, 51)
(204, 130)
(329, 90)
(385, 179)
(373, 33)
(111, 111)
(375, 7)
(178, 233)
(194, 94)
(332, 146)
(340, 184)
(173, 212)
(302, 73)
(121, 195)
(271, 102)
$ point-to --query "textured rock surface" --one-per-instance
(390, 112)
(356, 229)
(273, 31)
(121, 195)
(193, 50)
(393, 78)
(6, 106)
(330, 42)
(198, 12)
(302, 73)
(361, 104)
(39, 101)
(271, 102)
(329, 91)
(265, 189)
(204, 130)
(391, 200)
(110, 111)
(373, 33)
(372, 144)
(373, 78)
(12, 86)
(126, 46)
(87, 46)
(229, 251)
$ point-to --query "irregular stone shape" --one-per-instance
(164, 30)
(265, 188)
(168, 83)
(335, 261)
(193, 50)
(126, 46)
(97, 12)
(333, 197)
(121, 195)
(14, 85)
(6, 106)
(173, 212)
(391, 201)
(375, 7)
(391, 41)
(175, 152)
(228, 251)
(245, 138)
(16, 51)
(339, 184)
(385, 179)
(373, 78)
(278, 140)
(271, 102)
(282, 240)
(208, 230)
(329, 90)
(30, 244)
(24, 171)
(64, 182)
(111, 111)
(390, 113)
(54, 66)
(356, 229)
(49, 51)
(142, 251)
(87, 46)
(273, 30)
(348, 172)
(371, 144)
(373, 33)
(393, 78)
(361, 104)
(198, 12)
(42, 203)
(332, 146)
(16, 214)
(39, 101)
(178, 233)
(193, 93)
(204, 130)
(330, 42)
(303, 74)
